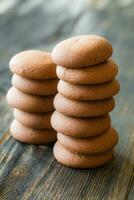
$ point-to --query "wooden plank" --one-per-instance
(30, 171)
(131, 193)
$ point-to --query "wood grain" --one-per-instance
(30, 171)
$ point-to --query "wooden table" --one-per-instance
(30, 171)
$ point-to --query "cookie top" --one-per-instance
(33, 120)
(31, 136)
(100, 73)
(81, 51)
(76, 160)
(83, 108)
(29, 103)
(88, 92)
(33, 64)
(94, 145)
(79, 126)
(35, 87)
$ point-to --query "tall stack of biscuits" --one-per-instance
(34, 86)
(85, 98)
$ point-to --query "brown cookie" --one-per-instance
(33, 120)
(93, 145)
(31, 136)
(83, 108)
(29, 103)
(88, 92)
(33, 64)
(100, 73)
(80, 127)
(36, 87)
(75, 160)
(82, 51)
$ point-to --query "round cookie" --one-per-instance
(29, 103)
(33, 120)
(33, 64)
(31, 136)
(80, 127)
(70, 159)
(88, 92)
(82, 51)
(83, 108)
(94, 145)
(100, 73)
(36, 87)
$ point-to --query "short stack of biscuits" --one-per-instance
(34, 86)
(85, 98)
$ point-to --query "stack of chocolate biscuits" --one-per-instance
(34, 86)
(86, 89)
